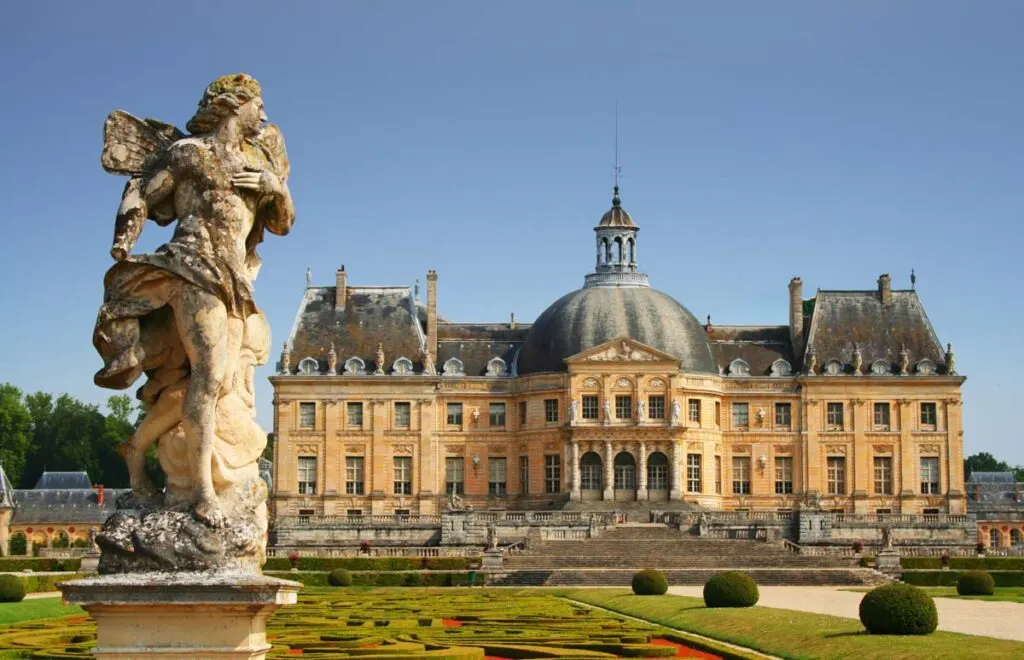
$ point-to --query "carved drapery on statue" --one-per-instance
(185, 317)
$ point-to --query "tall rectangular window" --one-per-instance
(693, 410)
(718, 475)
(834, 416)
(307, 414)
(552, 473)
(881, 416)
(929, 417)
(454, 475)
(454, 414)
(783, 415)
(740, 415)
(589, 406)
(693, 480)
(657, 476)
(883, 475)
(656, 406)
(550, 410)
(623, 406)
(355, 414)
(836, 475)
(307, 475)
(783, 475)
(930, 475)
(403, 413)
(741, 475)
(718, 414)
(524, 475)
(496, 414)
(403, 475)
(522, 414)
(353, 475)
(497, 476)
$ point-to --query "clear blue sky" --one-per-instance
(759, 141)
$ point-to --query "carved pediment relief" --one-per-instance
(656, 384)
(622, 350)
(591, 384)
(836, 450)
(402, 449)
(306, 448)
(354, 449)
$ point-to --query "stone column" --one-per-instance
(575, 494)
(609, 472)
(641, 477)
(675, 491)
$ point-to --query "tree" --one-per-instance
(15, 432)
(984, 462)
(268, 451)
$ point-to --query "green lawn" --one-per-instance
(792, 634)
(37, 608)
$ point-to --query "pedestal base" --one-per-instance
(888, 562)
(493, 560)
(181, 615)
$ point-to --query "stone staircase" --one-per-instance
(612, 558)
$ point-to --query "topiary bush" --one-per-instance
(12, 589)
(975, 583)
(898, 609)
(339, 577)
(731, 589)
(649, 582)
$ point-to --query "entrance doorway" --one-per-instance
(591, 476)
(657, 477)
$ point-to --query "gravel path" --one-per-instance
(970, 617)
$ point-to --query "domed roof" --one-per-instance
(592, 316)
(616, 216)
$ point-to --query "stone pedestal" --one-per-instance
(493, 561)
(888, 562)
(181, 615)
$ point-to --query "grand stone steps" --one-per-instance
(688, 577)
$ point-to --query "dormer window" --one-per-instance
(833, 368)
(739, 367)
(309, 367)
(454, 367)
(926, 368)
(497, 367)
(880, 368)
(781, 368)
(354, 367)
(402, 366)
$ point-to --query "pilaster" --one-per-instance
(641, 477)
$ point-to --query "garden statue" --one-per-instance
(184, 316)
(677, 413)
(428, 363)
(379, 371)
(574, 411)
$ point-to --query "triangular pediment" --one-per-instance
(622, 349)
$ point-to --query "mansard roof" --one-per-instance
(841, 319)
(64, 480)
(760, 346)
(476, 344)
(385, 314)
(71, 505)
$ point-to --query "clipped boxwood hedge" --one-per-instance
(371, 563)
(975, 583)
(339, 577)
(898, 609)
(16, 565)
(649, 582)
(731, 589)
(965, 563)
(384, 579)
(12, 589)
(950, 578)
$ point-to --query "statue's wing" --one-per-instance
(271, 143)
(132, 145)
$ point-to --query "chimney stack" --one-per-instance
(796, 314)
(885, 288)
(432, 312)
(340, 288)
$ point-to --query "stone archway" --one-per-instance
(591, 476)
(625, 477)
(657, 477)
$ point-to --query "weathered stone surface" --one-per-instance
(185, 317)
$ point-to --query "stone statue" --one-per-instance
(887, 537)
(574, 411)
(640, 410)
(185, 317)
(704, 523)
(950, 360)
(607, 412)
(332, 361)
(677, 413)
(812, 362)
(904, 360)
(456, 503)
(379, 371)
(857, 360)
(286, 359)
(492, 537)
(428, 363)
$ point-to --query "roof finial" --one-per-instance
(913, 280)
(309, 276)
(616, 170)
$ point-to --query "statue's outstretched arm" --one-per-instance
(140, 195)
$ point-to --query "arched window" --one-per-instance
(308, 366)
(781, 368)
(739, 367)
(591, 473)
(995, 539)
(497, 367)
(1016, 538)
(354, 367)
(657, 471)
(632, 250)
(607, 251)
(454, 367)
(625, 471)
(617, 256)
(402, 366)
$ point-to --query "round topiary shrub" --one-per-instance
(649, 582)
(339, 577)
(975, 583)
(731, 589)
(898, 609)
(12, 589)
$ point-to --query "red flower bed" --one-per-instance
(685, 651)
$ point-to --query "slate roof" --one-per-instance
(78, 505)
(988, 492)
(64, 480)
(6, 491)
(616, 216)
(842, 318)
(388, 315)
(475, 344)
(758, 346)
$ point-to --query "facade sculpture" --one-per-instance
(185, 317)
